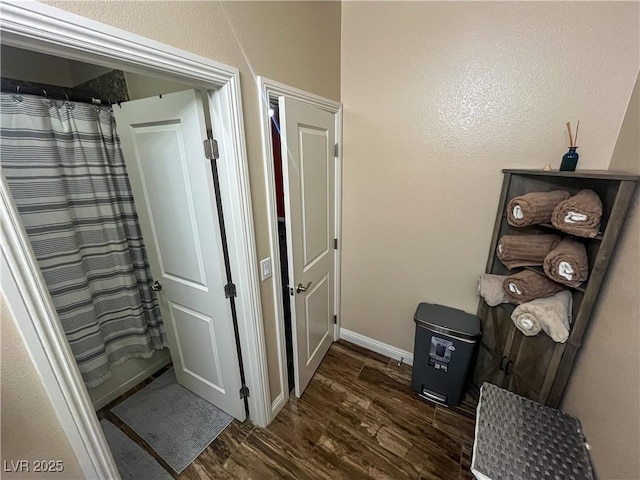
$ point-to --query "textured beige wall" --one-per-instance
(438, 98)
(30, 428)
(605, 395)
(297, 43)
(626, 155)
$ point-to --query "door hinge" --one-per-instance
(335, 243)
(230, 290)
(244, 392)
(336, 150)
(335, 319)
(211, 149)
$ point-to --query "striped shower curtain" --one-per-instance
(64, 167)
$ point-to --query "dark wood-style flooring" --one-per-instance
(357, 419)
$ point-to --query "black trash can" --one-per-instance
(445, 343)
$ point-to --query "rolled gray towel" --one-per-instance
(534, 207)
(550, 314)
(525, 250)
(579, 215)
(524, 286)
(490, 288)
(567, 263)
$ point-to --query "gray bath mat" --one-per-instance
(176, 423)
(132, 461)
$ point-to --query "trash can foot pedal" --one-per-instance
(433, 396)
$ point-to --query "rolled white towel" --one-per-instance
(573, 217)
(550, 314)
(528, 324)
(517, 212)
(565, 270)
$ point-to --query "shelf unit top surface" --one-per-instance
(598, 174)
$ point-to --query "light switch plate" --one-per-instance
(265, 268)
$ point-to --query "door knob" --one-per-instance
(300, 288)
(156, 287)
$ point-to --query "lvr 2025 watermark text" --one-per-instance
(32, 466)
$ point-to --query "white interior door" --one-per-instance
(172, 183)
(308, 139)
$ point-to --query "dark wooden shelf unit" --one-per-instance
(549, 226)
(537, 367)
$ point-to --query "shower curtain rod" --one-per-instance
(52, 92)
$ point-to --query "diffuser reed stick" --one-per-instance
(573, 141)
(570, 136)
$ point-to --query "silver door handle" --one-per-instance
(156, 287)
(300, 288)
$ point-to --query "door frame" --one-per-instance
(46, 29)
(266, 89)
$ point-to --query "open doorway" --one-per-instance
(282, 238)
(304, 214)
(122, 214)
(41, 28)
(60, 80)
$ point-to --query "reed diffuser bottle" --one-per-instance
(570, 159)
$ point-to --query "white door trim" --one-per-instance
(49, 30)
(270, 88)
(28, 299)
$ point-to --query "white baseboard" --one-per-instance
(377, 346)
(111, 395)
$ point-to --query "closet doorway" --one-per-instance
(301, 135)
(31, 26)
(285, 298)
